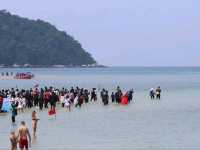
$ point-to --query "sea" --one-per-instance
(171, 123)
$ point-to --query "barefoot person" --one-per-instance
(23, 135)
(13, 141)
(34, 122)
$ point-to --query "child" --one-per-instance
(13, 140)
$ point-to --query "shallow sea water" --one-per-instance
(171, 123)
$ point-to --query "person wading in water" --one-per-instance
(23, 136)
(34, 122)
(158, 93)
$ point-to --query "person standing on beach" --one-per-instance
(23, 136)
(34, 122)
(158, 92)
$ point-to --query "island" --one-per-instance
(36, 43)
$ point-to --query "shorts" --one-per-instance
(23, 143)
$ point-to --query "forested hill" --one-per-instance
(38, 43)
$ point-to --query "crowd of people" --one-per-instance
(45, 97)
(49, 97)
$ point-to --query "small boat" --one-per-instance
(26, 76)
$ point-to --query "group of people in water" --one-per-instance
(22, 135)
(49, 97)
(45, 97)
(155, 93)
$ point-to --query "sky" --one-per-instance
(124, 32)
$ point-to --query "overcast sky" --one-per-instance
(124, 32)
